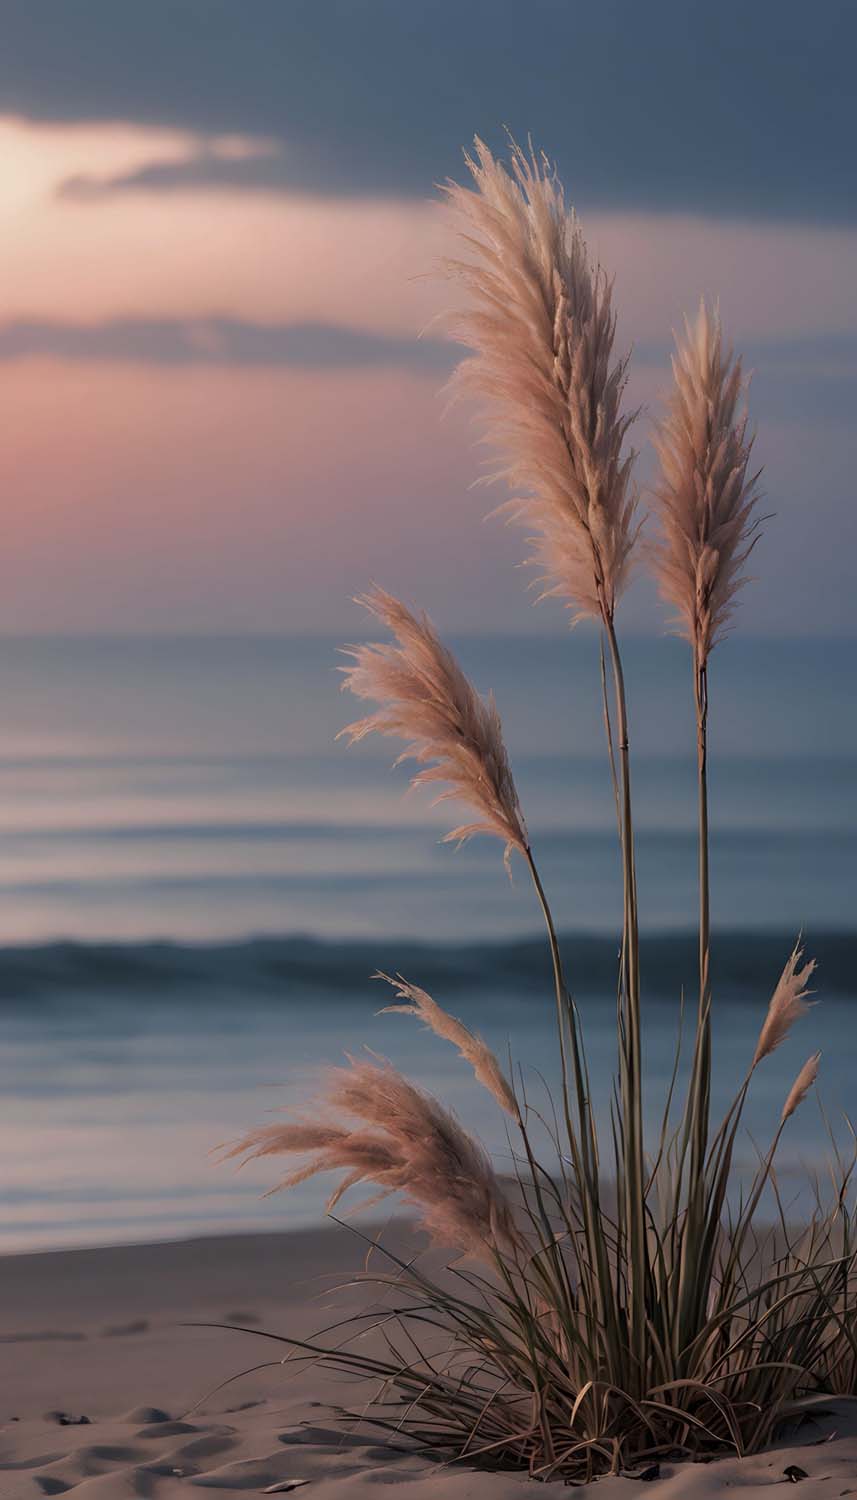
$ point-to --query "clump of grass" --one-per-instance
(628, 1303)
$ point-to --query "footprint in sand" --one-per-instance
(247, 1474)
(162, 1429)
(322, 1437)
(39, 1462)
(102, 1458)
(207, 1446)
(126, 1484)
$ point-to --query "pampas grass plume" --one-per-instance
(485, 1066)
(540, 325)
(427, 700)
(801, 1086)
(405, 1142)
(788, 1004)
(705, 495)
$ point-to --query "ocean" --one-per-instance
(197, 881)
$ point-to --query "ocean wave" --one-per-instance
(557, 838)
(272, 969)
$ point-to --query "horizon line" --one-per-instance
(341, 636)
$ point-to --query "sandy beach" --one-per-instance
(100, 1334)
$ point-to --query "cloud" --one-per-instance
(203, 171)
(219, 341)
(214, 164)
(729, 108)
(809, 380)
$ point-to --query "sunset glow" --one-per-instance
(201, 485)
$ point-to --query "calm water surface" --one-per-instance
(162, 803)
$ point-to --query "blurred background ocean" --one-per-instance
(197, 880)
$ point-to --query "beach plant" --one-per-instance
(614, 1299)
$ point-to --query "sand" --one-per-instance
(100, 1334)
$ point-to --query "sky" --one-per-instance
(219, 238)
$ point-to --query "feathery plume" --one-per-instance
(788, 1004)
(705, 495)
(541, 328)
(406, 1142)
(801, 1086)
(485, 1066)
(427, 701)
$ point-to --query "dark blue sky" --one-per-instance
(729, 107)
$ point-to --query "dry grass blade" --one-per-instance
(427, 701)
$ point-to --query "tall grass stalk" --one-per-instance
(706, 498)
(613, 1304)
(540, 327)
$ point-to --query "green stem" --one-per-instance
(566, 1022)
(630, 1031)
(699, 1094)
(583, 1143)
(703, 1101)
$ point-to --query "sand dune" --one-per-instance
(101, 1335)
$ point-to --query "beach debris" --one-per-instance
(794, 1473)
(283, 1486)
(63, 1419)
(647, 1474)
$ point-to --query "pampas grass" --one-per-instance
(486, 1068)
(627, 1303)
(540, 325)
(801, 1086)
(403, 1141)
(706, 496)
(539, 321)
(449, 729)
(706, 499)
(788, 1004)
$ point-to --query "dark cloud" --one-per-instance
(729, 107)
(813, 379)
(218, 341)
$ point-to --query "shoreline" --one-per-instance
(113, 1334)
